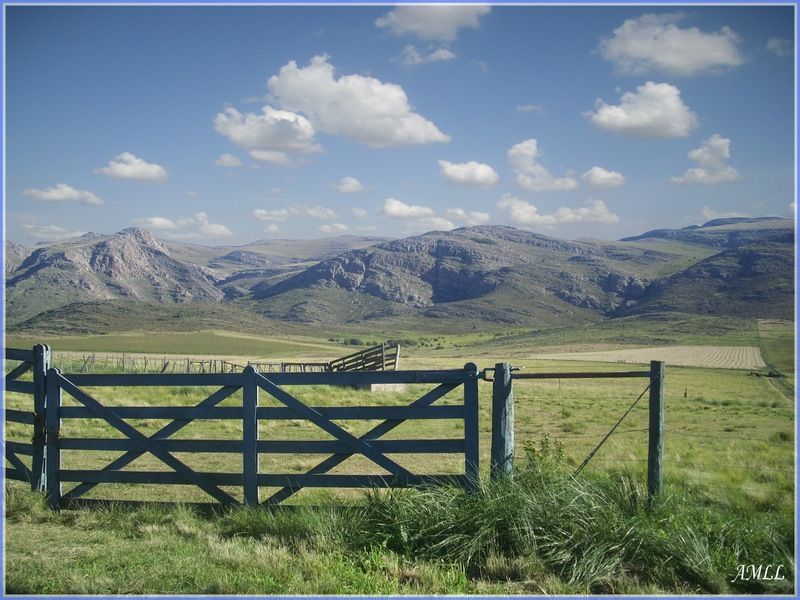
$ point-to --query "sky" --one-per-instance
(224, 125)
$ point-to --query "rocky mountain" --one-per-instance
(15, 254)
(484, 273)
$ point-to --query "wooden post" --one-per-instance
(471, 432)
(41, 362)
(53, 448)
(655, 448)
(502, 461)
(250, 437)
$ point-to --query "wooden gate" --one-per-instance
(250, 382)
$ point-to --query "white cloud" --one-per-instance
(363, 108)
(432, 22)
(61, 192)
(210, 229)
(531, 175)
(711, 156)
(471, 217)
(523, 212)
(50, 232)
(228, 160)
(156, 223)
(780, 47)
(272, 228)
(435, 223)
(280, 214)
(710, 214)
(128, 166)
(469, 173)
(271, 136)
(654, 110)
(359, 213)
(530, 107)
(333, 228)
(598, 177)
(412, 57)
(349, 185)
(655, 43)
(396, 209)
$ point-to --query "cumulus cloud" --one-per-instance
(712, 156)
(228, 160)
(654, 110)
(397, 209)
(411, 57)
(434, 223)
(61, 192)
(156, 223)
(432, 22)
(523, 212)
(128, 166)
(598, 177)
(349, 185)
(297, 210)
(280, 214)
(333, 228)
(655, 43)
(272, 228)
(531, 175)
(362, 108)
(471, 217)
(359, 213)
(205, 227)
(49, 233)
(710, 214)
(780, 47)
(273, 136)
(470, 173)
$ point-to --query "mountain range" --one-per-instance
(489, 273)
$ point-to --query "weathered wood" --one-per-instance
(19, 371)
(16, 474)
(41, 363)
(379, 430)
(250, 437)
(52, 460)
(23, 387)
(369, 412)
(306, 412)
(159, 412)
(20, 416)
(189, 476)
(655, 445)
(17, 463)
(19, 354)
(582, 375)
(471, 433)
(19, 448)
(162, 433)
(502, 454)
(426, 446)
(121, 445)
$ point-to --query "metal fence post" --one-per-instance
(471, 432)
(655, 447)
(250, 436)
(53, 448)
(502, 461)
(41, 362)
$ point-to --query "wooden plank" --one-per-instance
(52, 461)
(19, 354)
(294, 481)
(369, 412)
(41, 363)
(471, 432)
(19, 371)
(581, 375)
(250, 437)
(157, 477)
(155, 379)
(121, 445)
(144, 443)
(190, 413)
(20, 416)
(655, 442)
(379, 430)
(502, 453)
(357, 445)
(22, 387)
(16, 474)
(17, 463)
(20, 448)
(422, 446)
(166, 431)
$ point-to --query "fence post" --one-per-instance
(502, 461)
(53, 448)
(471, 432)
(655, 447)
(250, 436)
(41, 362)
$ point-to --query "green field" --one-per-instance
(729, 497)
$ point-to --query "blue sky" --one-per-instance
(223, 125)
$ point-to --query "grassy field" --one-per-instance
(729, 461)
